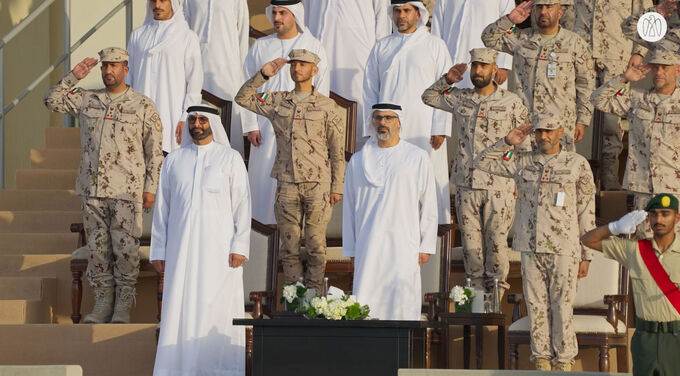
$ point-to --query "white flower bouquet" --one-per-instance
(462, 298)
(295, 297)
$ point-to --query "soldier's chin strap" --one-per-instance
(659, 274)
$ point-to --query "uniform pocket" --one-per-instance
(315, 124)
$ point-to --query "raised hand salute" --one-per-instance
(521, 12)
(82, 69)
(455, 74)
(519, 134)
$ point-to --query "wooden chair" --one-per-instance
(600, 314)
(79, 260)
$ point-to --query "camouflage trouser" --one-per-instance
(295, 202)
(485, 217)
(612, 133)
(113, 228)
(549, 283)
(640, 201)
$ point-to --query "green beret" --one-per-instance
(663, 201)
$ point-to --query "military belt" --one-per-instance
(657, 327)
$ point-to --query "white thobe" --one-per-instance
(460, 24)
(389, 216)
(348, 29)
(222, 27)
(262, 157)
(201, 215)
(399, 69)
(165, 65)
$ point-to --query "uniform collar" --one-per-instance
(537, 39)
(293, 98)
(674, 247)
(479, 99)
(101, 95)
(543, 159)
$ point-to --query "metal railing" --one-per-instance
(64, 59)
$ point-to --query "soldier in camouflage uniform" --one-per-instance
(654, 133)
(309, 164)
(553, 65)
(485, 205)
(120, 136)
(598, 22)
(556, 207)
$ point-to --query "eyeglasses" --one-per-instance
(201, 119)
(388, 118)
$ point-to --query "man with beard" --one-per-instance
(120, 137)
(654, 118)
(556, 207)
(398, 70)
(309, 165)
(200, 238)
(485, 205)
(654, 267)
(553, 65)
(287, 17)
(165, 64)
(389, 219)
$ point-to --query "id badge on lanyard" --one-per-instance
(552, 66)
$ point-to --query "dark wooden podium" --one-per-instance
(297, 346)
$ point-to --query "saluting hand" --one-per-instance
(455, 74)
(666, 8)
(521, 12)
(636, 73)
(519, 134)
(273, 67)
(82, 69)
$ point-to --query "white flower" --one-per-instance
(289, 293)
(458, 295)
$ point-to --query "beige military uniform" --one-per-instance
(485, 205)
(598, 22)
(556, 207)
(309, 165)
(555, 75)
(654, 144)
(121, 158)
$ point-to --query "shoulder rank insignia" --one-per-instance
(263, 97)
(75, 91)
(507, 156)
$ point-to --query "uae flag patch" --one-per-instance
(263, 97)
(507, 156)
(75, 91)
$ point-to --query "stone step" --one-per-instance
(37, 243)
(62, 138)
(28, 288)
(46, 179)
(38, 221)
(47, 266)
(56, 159)
(101, 350)
(39, 199)
(59, 370)
(25, 300)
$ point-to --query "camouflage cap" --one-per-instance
(549, 2)
(546, 120)
(661, 55)
(567, 2)
(483, 55)
(303, 55)
(113, 55)
(663, 201)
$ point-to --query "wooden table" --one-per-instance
(479, 321)
(298, 346)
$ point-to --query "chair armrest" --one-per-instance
(257, 297)
(516, 301)
(80, 229)
(612, 312)
(436, 302)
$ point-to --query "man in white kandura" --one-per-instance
(348, 30)
(222, 28)
(288, 17)
(200, 238)
(165, 65)
(389, 218)
(460, 24)
(399, 69)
